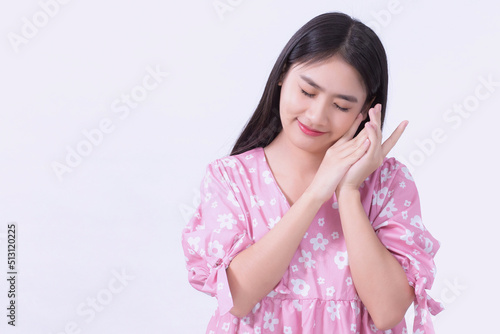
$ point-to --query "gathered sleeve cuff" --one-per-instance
(216, 233)
(397, 220)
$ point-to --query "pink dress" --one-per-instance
(241, 201)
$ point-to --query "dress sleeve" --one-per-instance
(396, 218)
(215, 235)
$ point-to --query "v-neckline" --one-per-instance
(273, 178)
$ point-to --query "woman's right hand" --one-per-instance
(337, 161)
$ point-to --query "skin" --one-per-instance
(333, 162)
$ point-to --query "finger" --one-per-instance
(358, 152)
(393, 139)
(352, 130)
(376, 115)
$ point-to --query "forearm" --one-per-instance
(254, 272)
(379, 279)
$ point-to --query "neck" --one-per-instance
(297, 161)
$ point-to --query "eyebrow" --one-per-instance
(349, 98)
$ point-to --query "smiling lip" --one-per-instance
(309, 131)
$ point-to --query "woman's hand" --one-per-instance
(374, 156)
(337, 160)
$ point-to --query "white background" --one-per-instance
(123, 206)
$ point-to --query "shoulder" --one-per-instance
(231, 168)
(392, 172)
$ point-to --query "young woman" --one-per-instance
(307, 227)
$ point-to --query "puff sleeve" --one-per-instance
(396, 218)
(215, 234)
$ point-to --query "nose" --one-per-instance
(317, 113)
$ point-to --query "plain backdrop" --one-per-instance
(98, 241)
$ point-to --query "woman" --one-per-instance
(307, 227)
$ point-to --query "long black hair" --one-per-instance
(322, 37)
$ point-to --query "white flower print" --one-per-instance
(407, 203)
(353, 328)
(193, 242)
(428, 245)
(230, 197)
(330, 291)
(256, 201)
(405, 331)
(257, 330)
(245, 320)
(389, 209)
(321, 221)
(255, 308)
(273, 201)
(402, 184)
(252, 170)
(335, 205)
(249, 156)
(297, 305)
(300, 287)
(408, 237)
(227, 221)
(295, 268)
(321, 280)
(355, 307)
(249, 184)
(305, 235)
(220, 286)
(267, 177)
(418, 331)
(214, 204)
(348, 281)
(225, 326)
(335, 235)
(228, 162)
(373, 328)
(215, 249)
(404, 214)
(341, 259)
(254, 222)
(417, 222)
(208, 196)
(242, 170)
(334, 310)
(319, 242)
(287, 330)
(416, 252)
(273, 222)
(385, 174)
(378, 197)
(241, 217)
(389, 194)
(272, 294)
(270, 321)
(413, 261)
(306, 258)
(407, 173)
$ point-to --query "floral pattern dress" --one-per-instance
(241, 201)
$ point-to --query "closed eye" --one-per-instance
(340, 108)
(307, 94)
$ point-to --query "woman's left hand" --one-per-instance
(374, 156)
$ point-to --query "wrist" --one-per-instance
(347, 193)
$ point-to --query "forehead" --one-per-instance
(333, 74)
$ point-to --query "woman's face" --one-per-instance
(319, 103)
